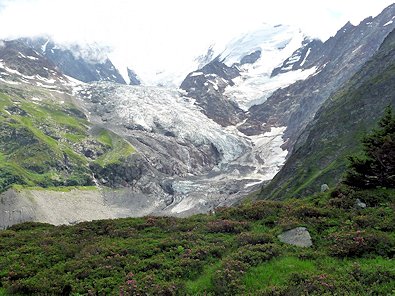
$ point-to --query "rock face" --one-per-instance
(134, 80)
(320, 153)
(207, 87)
(226, 86)
(298, 237)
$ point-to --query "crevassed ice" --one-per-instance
(153, 106)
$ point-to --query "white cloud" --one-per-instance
(154, 35)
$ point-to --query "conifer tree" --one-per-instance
(376, 166)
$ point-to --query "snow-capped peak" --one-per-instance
(276, 43)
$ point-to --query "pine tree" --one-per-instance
(376, 166)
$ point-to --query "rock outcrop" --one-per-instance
(299, 237)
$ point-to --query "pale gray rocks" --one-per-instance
(298, 236)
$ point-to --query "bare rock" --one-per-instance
(324, 187)
(360, 204)
(298, 237)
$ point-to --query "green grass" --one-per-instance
(204, 282)
(259, 228)
(120, 148)
(276, 272)
(105, 137)
(74, 137)
(2, 292)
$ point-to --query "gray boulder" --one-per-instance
(324, 187)
(360, 204)
(298, 236)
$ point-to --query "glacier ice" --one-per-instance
(245, 161)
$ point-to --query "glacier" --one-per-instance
(170, 119)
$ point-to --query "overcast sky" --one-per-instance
(153, 34)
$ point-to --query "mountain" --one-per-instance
(84, 63)
(46, 139)
(335, 61)
(240, 75)
(320, 153)
(20, 64)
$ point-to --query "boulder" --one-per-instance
(324, 187)
(298, 236)
(360, 204)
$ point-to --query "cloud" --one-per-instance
(154, 35)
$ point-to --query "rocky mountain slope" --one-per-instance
(320, 153)
(336, 61)
(84, 63)
(20, 64)
(47, 141)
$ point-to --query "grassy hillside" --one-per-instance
(232, 252)
(320, 155)
(46, 141)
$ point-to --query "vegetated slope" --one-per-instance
(45, 140)
(233, 252)
(319, 155)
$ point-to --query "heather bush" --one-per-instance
(256, 254)
(356, 243)
(308, 284)
(251, 238)
(227, 226)
(342, 197)
(228, 279)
